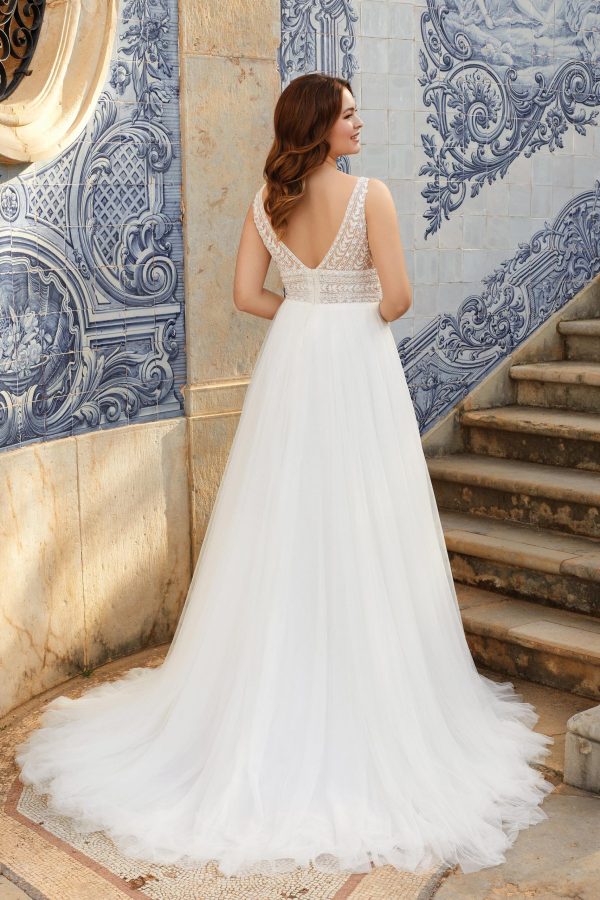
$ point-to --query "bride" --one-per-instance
(318, 704)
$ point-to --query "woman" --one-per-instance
(318, 703)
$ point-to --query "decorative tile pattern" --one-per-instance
(91, 291)
(501, 86)
(317, 37)
(452, 354)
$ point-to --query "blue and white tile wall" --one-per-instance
(482, 118)
(91, 255)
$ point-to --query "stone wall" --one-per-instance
(229, 87)
(94, 532)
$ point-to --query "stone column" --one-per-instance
(229, 86)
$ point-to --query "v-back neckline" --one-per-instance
(335, 240)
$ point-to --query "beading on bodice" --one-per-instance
(346, 274)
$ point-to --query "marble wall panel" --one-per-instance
(135, 536)
(42, 631)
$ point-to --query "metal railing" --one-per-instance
(20, 22)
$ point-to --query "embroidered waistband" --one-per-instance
(333, 286)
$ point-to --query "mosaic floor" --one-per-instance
(44, 857)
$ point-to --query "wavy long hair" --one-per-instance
(304, 113)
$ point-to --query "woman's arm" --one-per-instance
(251, 267)
(387, 251)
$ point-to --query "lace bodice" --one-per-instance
(346, 273)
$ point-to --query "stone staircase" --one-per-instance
(520, 508)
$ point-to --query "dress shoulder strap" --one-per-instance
(351, 249)
(262, 224)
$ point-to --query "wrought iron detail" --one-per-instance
(20, 22)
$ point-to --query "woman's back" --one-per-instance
(343, 222)
(316, 219)
(344, 274)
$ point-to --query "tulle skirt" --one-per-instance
(318, 703)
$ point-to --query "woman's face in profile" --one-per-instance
(344, 136)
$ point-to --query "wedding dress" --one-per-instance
(318, 703)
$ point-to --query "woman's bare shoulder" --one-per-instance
(378, 200)
(378, 190)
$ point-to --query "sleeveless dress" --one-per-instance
(318, 704)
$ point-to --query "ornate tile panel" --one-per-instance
(447, 358)
(317, 37)
(91, 290)
(503, 78)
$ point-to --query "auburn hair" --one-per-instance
(304, 113)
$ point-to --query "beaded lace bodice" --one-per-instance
(346, 273)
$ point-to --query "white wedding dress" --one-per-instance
(318, 703)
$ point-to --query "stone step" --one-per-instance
(568, 384)
(555, 647)
(582, 338)
(535, 434)
(559, 570)
(546, 496)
